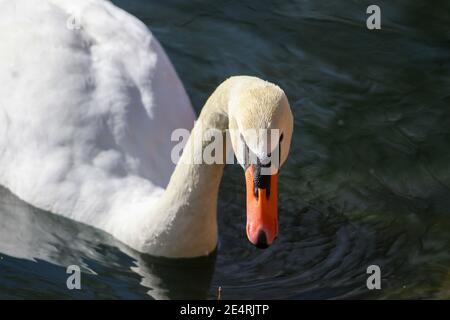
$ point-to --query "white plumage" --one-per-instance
(82, 109)
(88, 104)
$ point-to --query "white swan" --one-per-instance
(87, 110)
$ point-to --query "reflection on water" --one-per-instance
(36, 247)
(367, 182)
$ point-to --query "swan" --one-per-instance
(87, 112)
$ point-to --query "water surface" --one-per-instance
(367, 181)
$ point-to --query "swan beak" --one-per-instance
(262, 207)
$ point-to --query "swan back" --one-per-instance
(86, 109)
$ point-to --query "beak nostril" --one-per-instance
(261, 242)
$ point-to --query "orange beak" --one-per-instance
(262, 207)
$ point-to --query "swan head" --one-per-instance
(261, 126)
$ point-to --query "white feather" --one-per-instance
(82, 111)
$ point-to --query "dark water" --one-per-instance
(367, 181)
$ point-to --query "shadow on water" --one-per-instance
(36, 247)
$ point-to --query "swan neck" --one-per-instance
(190, 200)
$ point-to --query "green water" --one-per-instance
(367, 181)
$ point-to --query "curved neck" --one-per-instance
(188, 224)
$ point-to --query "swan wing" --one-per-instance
(88, 102)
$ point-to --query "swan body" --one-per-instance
(86, 117)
